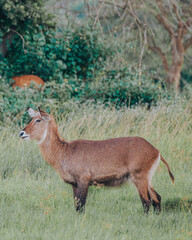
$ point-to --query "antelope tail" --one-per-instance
(170, 173)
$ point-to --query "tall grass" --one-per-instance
(36, 204)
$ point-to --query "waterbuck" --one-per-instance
(108, 162)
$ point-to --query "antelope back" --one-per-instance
(26, 80)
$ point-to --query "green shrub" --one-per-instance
(120, 88)
(42, 55)
(114, 88)
(22, 14)
(87, 53)
(5, 69)
(76, 53)
(14, 101)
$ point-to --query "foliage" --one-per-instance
(5, 68)
(87, 53)
(125, 87)
(15, 101)
(186, 75)
(22, 14)
(42, 53)
(142, 30)
(114, 88)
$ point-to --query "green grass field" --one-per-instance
(36, 204)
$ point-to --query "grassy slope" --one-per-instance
(36, 204)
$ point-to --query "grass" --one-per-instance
(36, 204)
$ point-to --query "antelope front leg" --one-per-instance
(80, 193)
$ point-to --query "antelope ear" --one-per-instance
(33, 113)
(44, 115)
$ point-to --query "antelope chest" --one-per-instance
(65, 173)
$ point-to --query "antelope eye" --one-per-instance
(38, 120)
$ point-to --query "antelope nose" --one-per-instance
(21, 133)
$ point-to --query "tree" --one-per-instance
(176, 20)
(18, 16)
(145, 16)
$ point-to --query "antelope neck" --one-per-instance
(43, 138)
(52, 147)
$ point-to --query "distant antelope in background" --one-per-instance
(108, 162)
(26, 80)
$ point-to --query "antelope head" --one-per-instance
(38, 127)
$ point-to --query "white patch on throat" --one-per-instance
(153, 169)
(43, 138)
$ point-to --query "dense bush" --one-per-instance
(14, 101)
(42, 53)
(120, 88)
(22, 14)
(87, 53)
(113, 89)
(73, 65)
(186, 77)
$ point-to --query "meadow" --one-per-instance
(36, 204)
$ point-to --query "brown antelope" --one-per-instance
(108, 162)
(26, 80)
